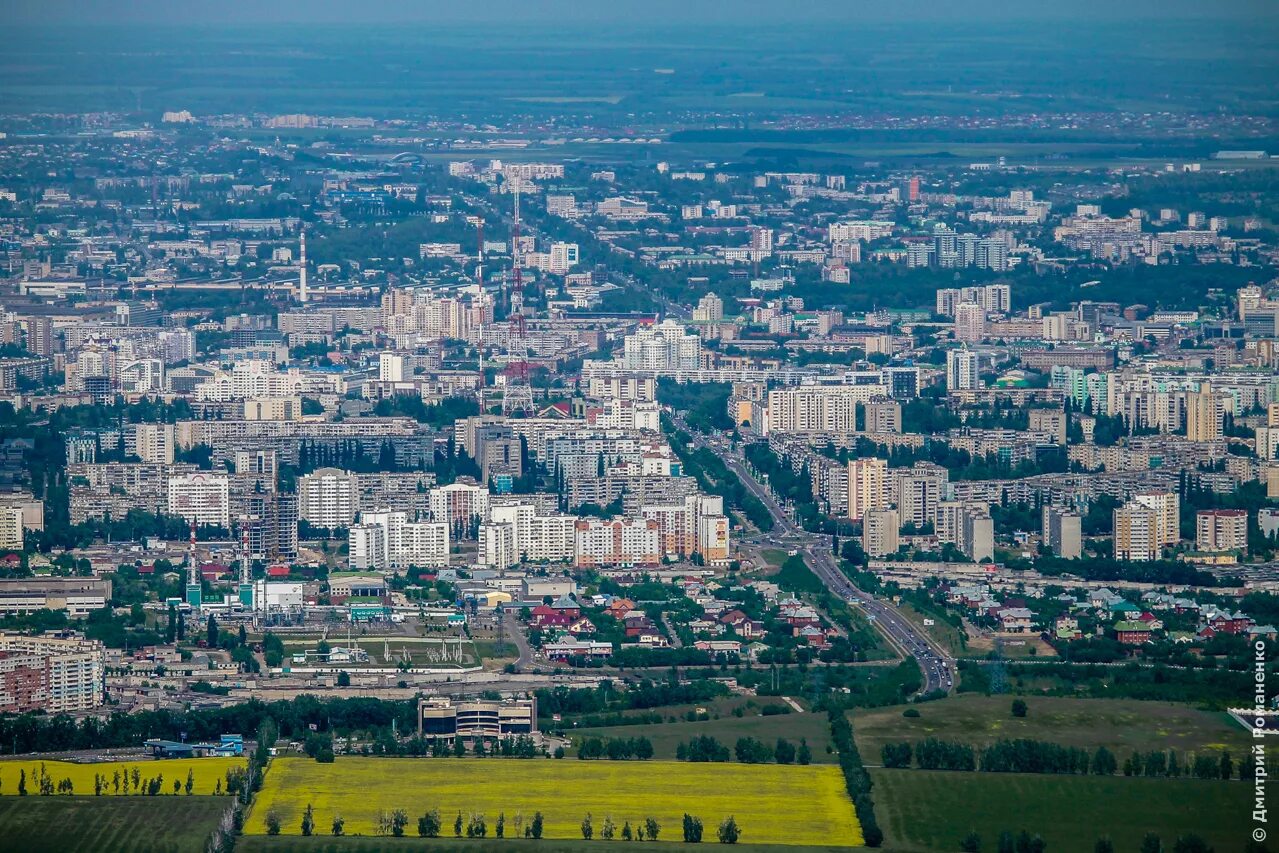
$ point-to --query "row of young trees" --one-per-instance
(1032, 756)
(475, 825)
(429, 825)
(650, 829)
(118, 784)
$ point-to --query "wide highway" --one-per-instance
(902, 634)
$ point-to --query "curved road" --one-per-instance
(909, 640)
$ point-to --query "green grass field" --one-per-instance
(952, 639)
(925, 811)
(1120, 725)
(667, 736)
(109, 824)
(772, 804)
(391, 651)
(774, 557)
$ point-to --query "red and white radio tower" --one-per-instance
(517, 367)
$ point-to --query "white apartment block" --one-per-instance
(564, 256)
(994, 298)
(625, 414)
(366, 548)
(862, 230)
(328, 498)
(662, 348)
(497, 548)
(201, 498)
(403, 543)
(535, 538)
(459, 505)
(636, 388)
(390, 367)
(1167, 508)
(961, 371)
(819, 408)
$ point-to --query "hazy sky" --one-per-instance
(64, 12)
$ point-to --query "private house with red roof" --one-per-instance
(582, 626)
(1225, 622)
(546, 616)
(742, 624)
(1150, 620)
(619, 607)
(1132, 633)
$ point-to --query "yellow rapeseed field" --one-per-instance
(772, 804)
(207, 773)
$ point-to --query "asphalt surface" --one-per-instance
(903, 635)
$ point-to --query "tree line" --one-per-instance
(615, 749)
(1033, 756)
(1024, 842)
(747, 750)
(856, 779)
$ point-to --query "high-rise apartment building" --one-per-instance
(1221, 530)
(202, 498)
(866, 486)
(329, 498)
(1204, 414)
(1062, 531)
(662, 348)
(880, 532)
(1136, 532)
(970, 322)
(50, 674)
(1167, 506)
(150, 442)
(710, 309)
(961, 371)
(387, 540)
